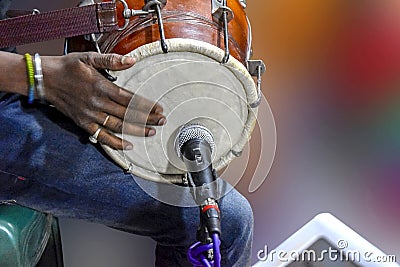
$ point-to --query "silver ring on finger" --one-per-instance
(93, 138)
(106, 120)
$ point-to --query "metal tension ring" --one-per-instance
(218, 9)
(127, 13)
(256, 68)
(218, 14)
(150, 3)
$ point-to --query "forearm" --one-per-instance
(13, 74)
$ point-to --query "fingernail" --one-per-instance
(162, 121)
(151, 132)
(127, 60)
(129, 147)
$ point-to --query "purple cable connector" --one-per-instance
(197, 250)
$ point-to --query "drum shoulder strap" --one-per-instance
(57, 24)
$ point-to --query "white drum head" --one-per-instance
(193, 87)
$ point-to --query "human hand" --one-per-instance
(76, 88)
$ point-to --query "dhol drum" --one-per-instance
(192, 57)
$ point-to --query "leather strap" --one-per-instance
(64, 23)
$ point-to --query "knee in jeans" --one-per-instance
(237, 214)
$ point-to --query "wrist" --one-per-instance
(52, 75)
(13, 73)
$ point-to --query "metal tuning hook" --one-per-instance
(221, 12)
(256, 68)
(150, 7)
(164, 45)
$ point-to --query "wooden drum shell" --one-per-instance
(181, 19)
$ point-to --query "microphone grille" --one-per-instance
(193, 131)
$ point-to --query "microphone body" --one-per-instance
(196, 154)
(194, 145)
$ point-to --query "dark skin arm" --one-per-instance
(75, 87)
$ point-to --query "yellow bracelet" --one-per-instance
(31, 78)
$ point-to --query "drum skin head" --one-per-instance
(193, 87)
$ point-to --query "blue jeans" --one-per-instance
(47, 164)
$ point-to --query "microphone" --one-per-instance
(194, 144)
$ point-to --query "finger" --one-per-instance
(138, 130)
(142, 103)
(111, 108)
(107, 61)
(106, 138)
(127, 98)
(130, 115)
(140, 117)
(118, 126)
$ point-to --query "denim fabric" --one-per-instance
(48, 164)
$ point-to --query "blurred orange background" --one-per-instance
(332, 81)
